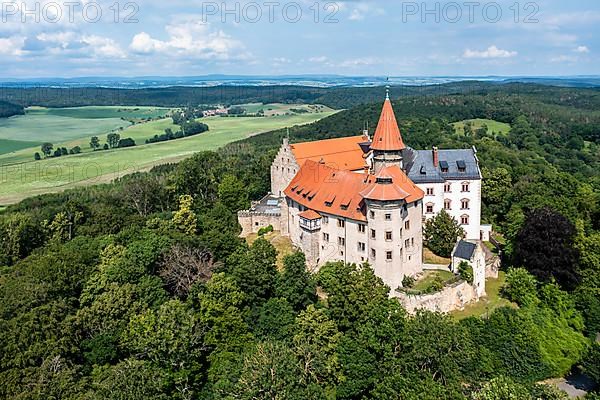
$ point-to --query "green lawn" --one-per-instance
(429, 276)
(489, 303)
(495, 127)
(21, 176)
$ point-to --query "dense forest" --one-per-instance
(142, 289)
(9, 109)
(335, 97)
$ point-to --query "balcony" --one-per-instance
(310, 224)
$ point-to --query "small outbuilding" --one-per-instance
(472, 253)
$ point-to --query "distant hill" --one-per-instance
(334, 97)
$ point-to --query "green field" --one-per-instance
(8, 146)
(102, 112)
(21, 176)
(62, 124)
(278, 109)
(494, 127)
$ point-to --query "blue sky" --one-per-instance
(182, 38)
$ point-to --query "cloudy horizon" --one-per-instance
(303, 37)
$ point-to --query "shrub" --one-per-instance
(127, 142)
(408, 281)
(466, 271)
(264, 230)
(520, 287)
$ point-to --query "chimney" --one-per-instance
(436, 158)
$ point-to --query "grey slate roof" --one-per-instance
(419, 164)
(465, 250)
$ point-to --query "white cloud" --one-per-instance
(12, 46)
(564, 59)
(103, 47)
(490, 52)
(360, 10)
(281, 60)
(189, 39)
(319, 59)
(358, 62)
(575, 18)
(581, 49)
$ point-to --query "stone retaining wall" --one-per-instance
(451, 298)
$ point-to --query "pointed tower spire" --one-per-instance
(387, 136)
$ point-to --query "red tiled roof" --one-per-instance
(342, 192)
(310, 215)
(387, 135)
(338, 153)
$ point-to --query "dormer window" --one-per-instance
(462, 166)
(444, 166)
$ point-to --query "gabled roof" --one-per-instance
(339, 153)
(310, 215)
(342, 192)
(387, 136)
(465, 250)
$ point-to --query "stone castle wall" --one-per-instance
(451, 298)
(252, 221)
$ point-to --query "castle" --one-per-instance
(354, 199)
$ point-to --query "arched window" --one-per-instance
(447, 204)
(464, 220)
(465, 187)
(429, 208)
(464, 204)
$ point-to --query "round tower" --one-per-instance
(387, 144)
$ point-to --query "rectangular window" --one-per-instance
(361, 247)
(429, 191)
(373, 234)
(325, 237)
(447, 188)
(341, 241)
(325, 219)
(341, 223)
(361, 228)
(388, 217)
(465, 187)
(429, 208)
(388, 255)
(406, 225)
(447, 205)
(406, 243)
(373, 253)
(388, 236)
(372, 214)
